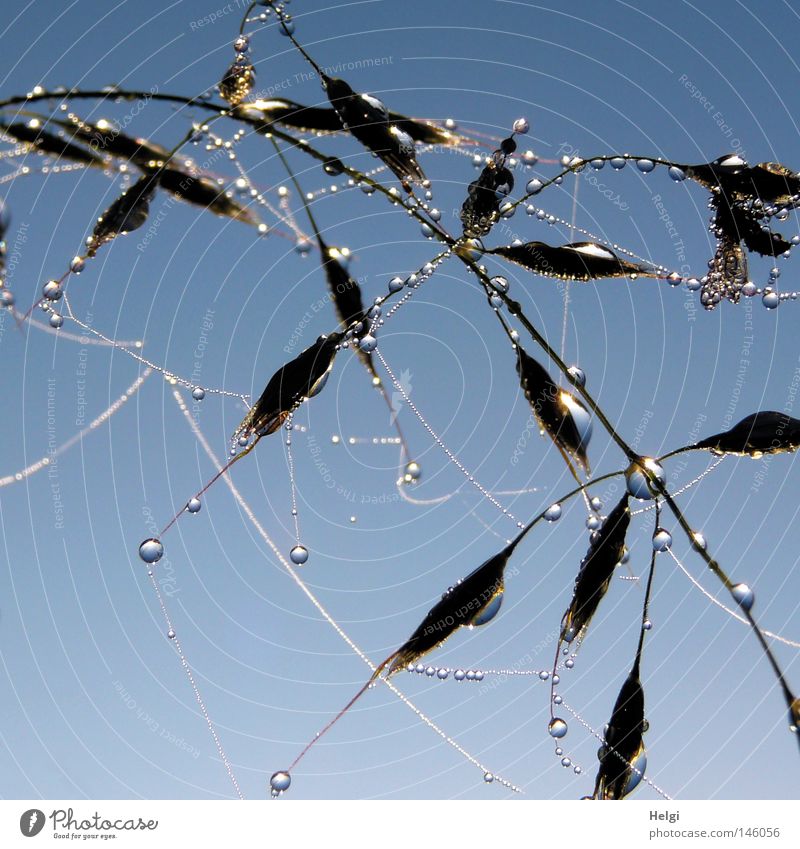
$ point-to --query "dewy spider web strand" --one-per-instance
(313, 599)
(44, 462)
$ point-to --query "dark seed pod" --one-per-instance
(577, 261)
(623, 758)
(50, 144)
(485, 195)
(746, 224)
(596, 571)
(238, 81)
(472, 601)
(128, 212)
(367, 120)
(204, 192)
(105, 137)
(766, 432)
(769, 182)
(345, 294)
(261, 114)
(558, 412)
(300, 379)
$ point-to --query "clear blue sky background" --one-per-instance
(78, 620)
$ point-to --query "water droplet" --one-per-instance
(593, 523)
(151, 550)
(677, 174)
(566, 762)
(557, 728)
(7, 297)
(194, 505)
(56, 320)
(597, 164)
(569, 663)
(693, 284)
(170, 634)
(430, 671)
(52, 290)
(521, 126)
(333, 166)
(637, 481)
(442, 674)
(534, 186)
(544, 675)
(699, 541)
(645, 165)
(596, 504)
(77, 265)
(198, 393)
(413, 471)
(662, 539)
(618, 163)
(298, 555)
(770, 300)
(303, 247)
(647, 625)
(557, 699)
(280, 781)
(578, 375)
(368, 343)
(459, 675)
(500, 283)
(743, 596)
(553, 513)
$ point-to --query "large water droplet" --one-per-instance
(413, 472)
(743, 596)
(151, 550)
(280, 781)
(194, 505)
(638, 482)
(521, 126)
(553, 513)
(52, 290)
(677, 174)
(557, 728)
(662, 539)
(618, 163)
(298, 555)
(368, 343)
(198, 393)
(770, 300)
(645, 165)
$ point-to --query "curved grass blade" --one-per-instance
(484, 196)
(596, 571)
(301, 378)
(202, 191)
(559, 413)
(576, 261)
(128, 212)
(262, 114)
(765, 432)
(49, 144)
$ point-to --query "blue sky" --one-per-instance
(95, 703)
